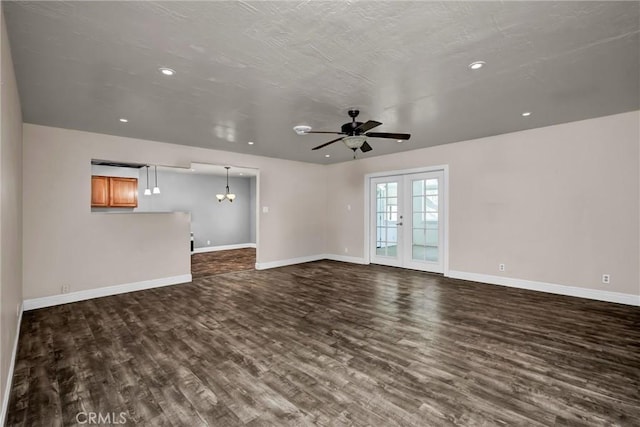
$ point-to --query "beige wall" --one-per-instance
(556, 204)
(10, 208)
(64, 243)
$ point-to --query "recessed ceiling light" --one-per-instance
(526, 114)
(124, 120)
(241, 173)
(477, 65)
(327, 155)
(401, 140)
(250, 142)
(167, 71)
(301, 129)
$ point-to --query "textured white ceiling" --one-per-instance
(250, 71)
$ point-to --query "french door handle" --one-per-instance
(399, 223)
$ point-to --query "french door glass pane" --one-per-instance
(431, 187)
(392, 235)
(431, 238)
(418, 186)
(431, 203)
(425, 220)
(418, 203)
(387, 219)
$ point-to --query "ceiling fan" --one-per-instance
(355, 134)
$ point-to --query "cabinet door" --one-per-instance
(123, 192)
(99, 191)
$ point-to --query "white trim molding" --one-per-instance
(12, 364)
(49, 301)
(311, 258)
(344, 258)
(223, 248)
(552, 288)
(291, 261)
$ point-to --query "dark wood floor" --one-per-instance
(219, 262)
(328, 343)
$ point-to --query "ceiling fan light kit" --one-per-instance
(354, 142)
(356, 134)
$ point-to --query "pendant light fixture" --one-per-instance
(156, 189)
(147, 192)
(229, 196)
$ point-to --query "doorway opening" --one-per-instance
(223, 229)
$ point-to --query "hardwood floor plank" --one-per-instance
(328, 343)
(218, 262)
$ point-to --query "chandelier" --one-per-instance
(227, 195)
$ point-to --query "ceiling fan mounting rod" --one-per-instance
(350, 128)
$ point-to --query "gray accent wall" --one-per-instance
(219, 223)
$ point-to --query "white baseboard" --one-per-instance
(311, 258)
(34, 303)
(291, 261)
(344, 258)
(551, 288)
(12, 364)
(223, 248)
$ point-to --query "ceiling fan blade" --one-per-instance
(388, 135)
(365, 147)
(366, 126)
(319, 131)
(327, 143)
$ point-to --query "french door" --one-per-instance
(407, 221)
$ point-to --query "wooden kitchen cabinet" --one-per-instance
(100, 191)
(123, 192)
(114, 192)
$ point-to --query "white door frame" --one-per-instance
(367, 207)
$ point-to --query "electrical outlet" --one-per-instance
(346, 250)
(65, 289)
(606, 279)
(348, 207)
(501, 267)
(208, 242)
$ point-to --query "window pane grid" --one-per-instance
(386, 218)
(425, 220)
